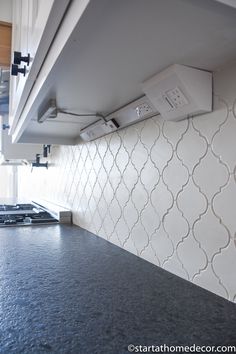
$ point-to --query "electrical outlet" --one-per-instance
(98, 129)
(143, 110)
(176, 97)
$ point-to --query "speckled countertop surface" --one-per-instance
(64, 290)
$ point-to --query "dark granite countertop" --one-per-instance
(64, 290)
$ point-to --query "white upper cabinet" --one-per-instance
(39, 11)
(20, 44)
(35, 23)
(11, 152)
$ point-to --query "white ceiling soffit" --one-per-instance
(117, 45)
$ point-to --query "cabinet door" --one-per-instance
(35, 23)
(20, 44)
(10, 151)
(30, 18)
(39, 11)
(5, 44)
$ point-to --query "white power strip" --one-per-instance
(134, 112)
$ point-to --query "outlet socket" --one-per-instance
(176, 97)
(143, 110)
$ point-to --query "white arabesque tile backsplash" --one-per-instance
(164, 191)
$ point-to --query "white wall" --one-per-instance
(6, 10)
(161, 190)
(6, 182)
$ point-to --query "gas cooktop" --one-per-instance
(24, 214)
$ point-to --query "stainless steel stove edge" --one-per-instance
(62, 214)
